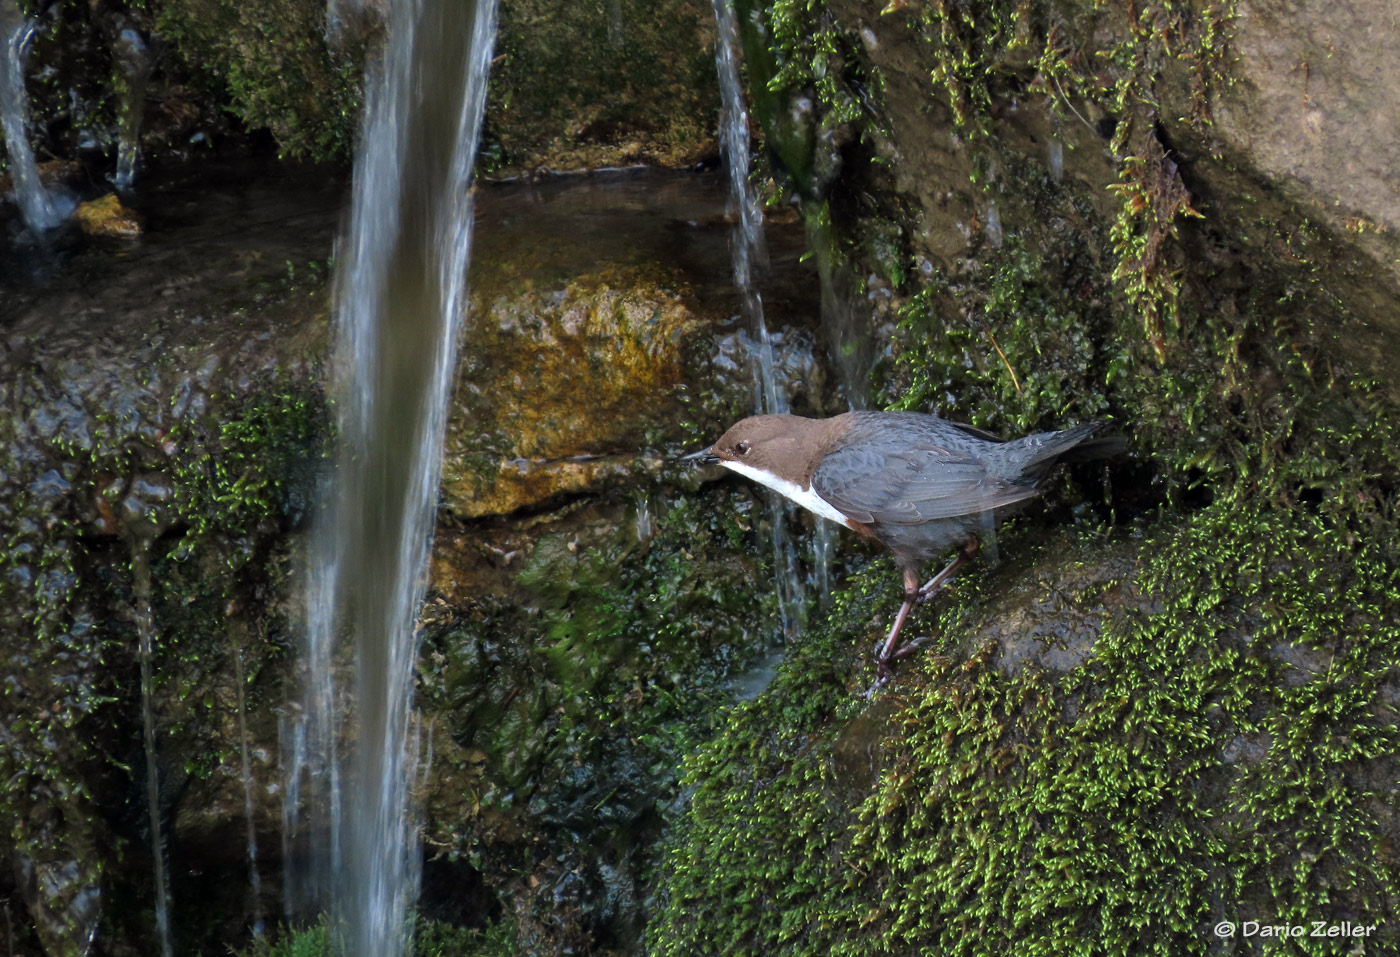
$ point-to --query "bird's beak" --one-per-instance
(703, 457)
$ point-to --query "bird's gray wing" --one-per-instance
(914, 485)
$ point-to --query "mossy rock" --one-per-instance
(564, 698)
(1209, 737)
(158, 460)
(585, 86)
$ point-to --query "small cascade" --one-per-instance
(135, 61)
(750, 254)
(237, 632)
(145, 632)
(400, 295)
(292, 749)
(40, 211)
(851, 353)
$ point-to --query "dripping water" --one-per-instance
(749, 255)
(851, 352)
(238, 633)
(145, 634)
(37, 207)
(400, 295)
(135, 61)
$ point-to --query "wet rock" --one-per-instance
(558, 383)
(107, 218)
(586, 86)
(174, 424)
(1052, 615)
(587, 361)
(1307, 109)
(58, 880)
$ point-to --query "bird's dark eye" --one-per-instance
(741, 449)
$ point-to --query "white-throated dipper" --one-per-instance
(917, 484)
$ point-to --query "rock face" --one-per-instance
(166, 427)
(573, 87)
(1308, 110)
(144, 429)
(561, 384)
(1096, 210)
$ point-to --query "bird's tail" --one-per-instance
(1036, 455)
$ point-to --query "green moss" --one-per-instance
(90, 489)
(275, 68)
(569, 705)
(1218, 757)
(1221, 743)
(431, 939)
(600, 84)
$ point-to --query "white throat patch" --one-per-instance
(807, 498)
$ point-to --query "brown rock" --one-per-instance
(561, 387)
(108, 218)
(1312, 107)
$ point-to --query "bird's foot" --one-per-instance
(885, 659)
(930, 589)
(909, 647)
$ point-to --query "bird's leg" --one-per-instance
(892, 650)
(889, 650)
(938, 581)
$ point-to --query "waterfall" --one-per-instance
(237, 632)
(39, 210)
(145, 632)
(750, 253)
(135, 60)
(400, 293)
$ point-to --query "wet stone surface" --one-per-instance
(166, 392)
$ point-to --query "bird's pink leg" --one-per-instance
(891, 650)
(888, 650)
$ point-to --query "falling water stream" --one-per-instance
(39, 210)
(238, 634)
(145, 632)
(750, 256)
(135, 60)
(400, 295)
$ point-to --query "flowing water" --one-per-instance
(238, 632)
(145, 631)
(135, 60)
(400, 296)
(750, 256)
(39, 210)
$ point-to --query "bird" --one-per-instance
(915, 484)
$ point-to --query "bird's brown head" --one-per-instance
(789, 446)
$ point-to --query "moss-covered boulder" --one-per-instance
(158, 447)
(1144, 739)
(1127, 735)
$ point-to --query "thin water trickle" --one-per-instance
(145, 635)
(135, 61)
(254, 877)
(849, 347)
(39, 210)
(750, 255)
(401, 292)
